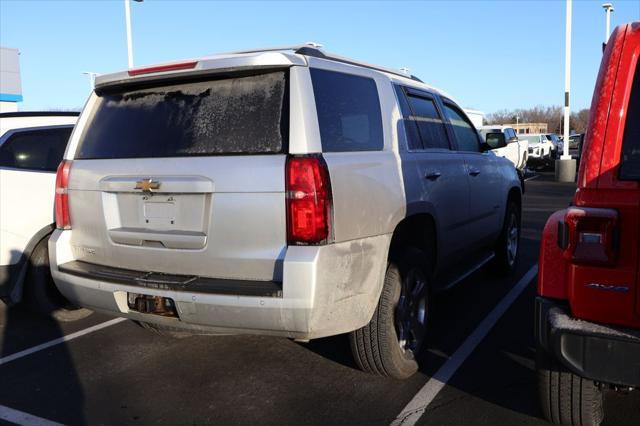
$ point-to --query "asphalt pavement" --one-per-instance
(123, 374)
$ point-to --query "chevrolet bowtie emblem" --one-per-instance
(147, 185)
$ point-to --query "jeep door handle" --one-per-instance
(432, 175)
(474, 172)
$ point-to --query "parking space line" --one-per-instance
(7, 359)
(418, 405)
(18, 417)
(532, 178)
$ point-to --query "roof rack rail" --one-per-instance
(314, 50)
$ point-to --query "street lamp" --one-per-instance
(92, 78)
(608, 8)
(127, 14)
(566, 166)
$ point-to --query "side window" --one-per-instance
(414, 143)
(465, 134)
(348, 111)
(630, 161)
(429, 122)
(40, 150)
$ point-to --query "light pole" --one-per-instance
(608, 8)
(566, 167)
(127, 15)
(92, 78)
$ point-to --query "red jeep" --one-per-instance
(588, 304)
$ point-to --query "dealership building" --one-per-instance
(10, 84)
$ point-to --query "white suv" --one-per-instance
(31, 147)
(290, 193)
(541, 147)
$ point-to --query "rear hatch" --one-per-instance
(185, 177)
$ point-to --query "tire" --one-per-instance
(165, 330)
(567, 399)
(41, 295)
(507, 248)
(377, 347)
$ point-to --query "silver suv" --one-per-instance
(285, 192)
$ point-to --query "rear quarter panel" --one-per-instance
(368, 193)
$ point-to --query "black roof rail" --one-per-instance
(314, 50)
(39, 114)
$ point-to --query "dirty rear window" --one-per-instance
(241, 115)
(630, 162)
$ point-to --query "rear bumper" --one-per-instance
(597, 352)
(326, 290)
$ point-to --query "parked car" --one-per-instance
(31, 147)
(516, 150)
(557, 142)
(588, 309)
(539, 147)
(575, 141)
(285, 192)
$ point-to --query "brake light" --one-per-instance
(63, 220)
(309, 200)
(161, 68)
(590, 235)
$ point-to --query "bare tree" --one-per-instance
(579, 120)
(551, 115)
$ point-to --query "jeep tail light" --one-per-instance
(63, 220)
(589, 235)
(309, 200)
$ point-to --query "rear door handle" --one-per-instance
(474, 172)
(432, 175)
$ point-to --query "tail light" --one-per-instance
(162, 68)
(589, 235)
(309, 200)
(63, 220)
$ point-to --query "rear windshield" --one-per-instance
(630, 163)
(241, 115)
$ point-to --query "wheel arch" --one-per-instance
(405, 234)
(17, 285)
(515, 194)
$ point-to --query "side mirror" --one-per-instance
(495, 140)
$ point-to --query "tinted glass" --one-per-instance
(348, 111)
(465, 133)
(630, 162)
(410, 126)
(485, 132)
(531, 139)
(242, 115)
(429, 122)
(40, 150)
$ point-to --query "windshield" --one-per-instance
(530, 139)
(485, 132)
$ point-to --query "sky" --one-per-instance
(489, 55)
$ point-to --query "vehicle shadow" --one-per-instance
(334, 348)
(37, 383)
